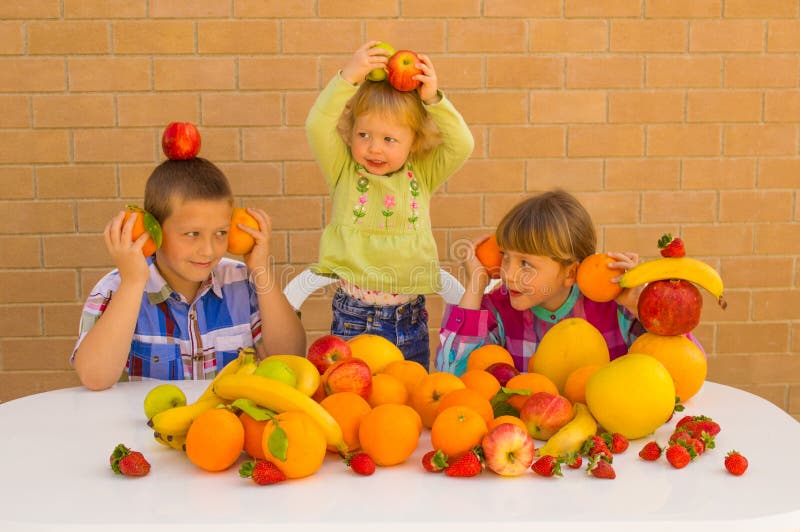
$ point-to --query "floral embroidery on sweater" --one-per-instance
(389, 201)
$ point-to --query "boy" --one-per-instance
(184, 313)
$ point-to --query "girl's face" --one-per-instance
(536, 280)
(379, 144)
(195, 239)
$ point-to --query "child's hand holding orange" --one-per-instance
(249, 235)
(126, 252)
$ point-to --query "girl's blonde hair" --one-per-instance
(381, 98)
(553, 224)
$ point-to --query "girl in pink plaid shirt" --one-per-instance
(543, 240)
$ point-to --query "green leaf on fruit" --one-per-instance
(278, 444)
(249, 407)
(504, 409)
(246, 471)
(152, 226)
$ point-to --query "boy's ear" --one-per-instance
(572, 274)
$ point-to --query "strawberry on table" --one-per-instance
(361, 463)
(574, 460)
(600, 467)
(651, 451)
(130, 463)
(595, 445)
(736, 463)
(678, 455)
(262, 472)
(547, 466)
(434, 461)
(616, 442)
(468, 464)
(671, 246)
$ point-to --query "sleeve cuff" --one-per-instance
(466, 322)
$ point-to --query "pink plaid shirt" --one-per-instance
(520, 332)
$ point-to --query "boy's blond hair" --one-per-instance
(190, 179)
(406, 108)
(553, 224)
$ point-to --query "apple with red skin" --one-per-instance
(508, 450)
(670, 307)
(349, 375)
(326, 350)
(401, 69)
(545, 413)
(502, 371)
(180, 141)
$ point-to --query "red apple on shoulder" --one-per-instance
(670, 307)
(545, 413)
(180, 141)
(508, 450)
(349, 375)
(326, 350)
(401, 69)
(502, 371)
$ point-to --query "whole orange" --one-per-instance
(239, 242)
(348, 409)
(430, 391)
(506, 419)
(390, 433)
(488, 254)
(469, 398)
(482, 382)
(144, 223)
(215, 440)
(457, 429)
(253, 433)
(488, 354)
(575, 385)
(534, 382)
(408, 371)
(387, 389)
(685, 361)
(304, 440)
(594, 278)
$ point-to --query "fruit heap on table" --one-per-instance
(363, 401)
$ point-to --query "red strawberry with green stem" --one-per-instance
(679, 455)
(434, 461)
(595, 445)
(735, 463)
(547, 466)
(468, 464)
(616, 442)
(129, 463)
(651, 451)
(671, 246)
(361, 463)
(574, 460)
(600, 467)
(262, 472)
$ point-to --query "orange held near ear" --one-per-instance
(239, 242)
(145, 222)
(594, 278)
(488, 253)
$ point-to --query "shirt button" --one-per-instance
(155, 359)
(552, 316)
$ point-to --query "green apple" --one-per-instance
(379, 74)
(163, 397)
(277, 370)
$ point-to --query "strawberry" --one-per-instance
(616, 442)
(129, 463)
(361, 463)
(600, 467)
(468, 464)
(679, 455)
(434, 461)
(735, 463)
(698, 445)
(574, 460)
(671, 246)
(684, 420)
(547, 466)
(262, 472)
(680, 434)
(650, 452)
(705, 425)
(595, 445)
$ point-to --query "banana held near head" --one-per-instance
(280, 397)
(571, 436)
(686, 268)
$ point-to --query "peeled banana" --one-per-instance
(280, 397)
(306, 373)
(686, 268)
(571, 436)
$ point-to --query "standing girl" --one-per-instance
(383, 154)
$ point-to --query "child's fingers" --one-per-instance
(264, 223)
(114, 228)
(139, 243)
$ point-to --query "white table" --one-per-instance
(80, 492)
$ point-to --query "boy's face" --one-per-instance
(379, 144)
(535, 280)
(195, 239)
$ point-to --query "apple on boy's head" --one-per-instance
(180, 141)
(402, 68)
(379, 74)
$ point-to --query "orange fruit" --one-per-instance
(239, 242)
(426, 396)
(389, 433)
(387, 389)
(348, 409)
(575, 385)
(408, 371)
(469, 398)
(534, 382)
(594, 278)
(456, 430)
(306, 445)
(253, 433)
(685, 361)
(145, 222)
(488, 354)
(488, 254)
(505, 419)
(482, 382)
(215, 439)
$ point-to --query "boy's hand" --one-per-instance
(429, 90)
(126, 253)
(629, 297)
(364, 60)
(258, 258)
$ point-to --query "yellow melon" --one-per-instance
(683, 359)
(376, 351)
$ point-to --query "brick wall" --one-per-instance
(661, 115)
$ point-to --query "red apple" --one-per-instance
(508, 450)
(545, 413)
(401, 69)
(349, 375)
(326, 350)
(670, 307)
(180, 141)
(502, 372)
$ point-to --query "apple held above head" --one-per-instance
(349, 375)
(379, 74)
(180, 141)
(508, 450)
(401, 68)
(326, 350)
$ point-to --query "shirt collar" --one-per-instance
(159, 291)
(554, 316)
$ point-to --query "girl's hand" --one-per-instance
(429, 90)
(258, 258)
(363, 60)
(125, 252)
(629, 297)
(477, 275)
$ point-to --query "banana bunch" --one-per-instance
(306, 373)
(686, 268)
(279, 397)
(572, 435)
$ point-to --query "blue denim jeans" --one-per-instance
(406, 325)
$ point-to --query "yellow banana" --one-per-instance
(280, 397)
(572, 435)
(232, 367)
(176, 421)
(176, 442)
(686, 268)
(306, 373)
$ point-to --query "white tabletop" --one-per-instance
(42, 491)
